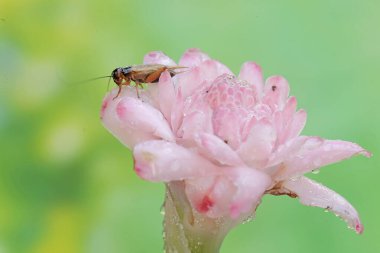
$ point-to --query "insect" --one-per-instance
(139, 74)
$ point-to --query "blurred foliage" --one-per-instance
(66, 185)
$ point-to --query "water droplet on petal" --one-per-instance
(248, 219)
(294, 178)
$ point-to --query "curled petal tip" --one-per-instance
(365, 153)
(359, 228)
(311, 193)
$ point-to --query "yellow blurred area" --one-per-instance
(63, 231)
(67, 185)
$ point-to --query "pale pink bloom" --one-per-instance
(231, 139)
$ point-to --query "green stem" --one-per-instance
(186, 230)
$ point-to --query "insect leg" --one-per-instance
(155, 75)
(118, 92)
(127, 82)
(137, 84)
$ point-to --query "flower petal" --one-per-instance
(132, 121)
(158, 57)
(176, 116)
(251, 185)
(251, 72)
(162, 161)
(226, 123)
(289, 126)
(276, 91)
(237, 191)
(193, 57)
(290, 108)
(317, 152)
(256, 150)
(211, 195)
(286, 150)
(311, 193)
(297, 124)
(216, 149)
(166, 94)
(202, 74)
(283, 118)
(110, 97)
(196, 118)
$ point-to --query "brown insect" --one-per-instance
(139, 74)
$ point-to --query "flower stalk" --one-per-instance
(186, 230)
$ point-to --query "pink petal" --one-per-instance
(262, 111)
(166, 93)
(290, 108)
(289, 124)
(317, 152)
(176, 116)
(211, 195)
(256, 150)
(286, 150)
(132, 121)
(226, 122)
(283, 118)
(251, 72)
(236, 192)
(216, 149)
(311, 193)
(297, 124)
(194, 123)
(193, 57)
(202, 74)
(109, 98)
(251, 185)
(158, 57)
(147, 95)
(276, 91)
(162, 161)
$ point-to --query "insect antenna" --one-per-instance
(108, 85)
(92, 79)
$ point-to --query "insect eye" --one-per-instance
(116, 73)
(126, 70)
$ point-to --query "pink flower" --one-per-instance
(229, 139)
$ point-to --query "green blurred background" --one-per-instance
(66, 185)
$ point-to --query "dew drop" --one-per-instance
(248, 219)
(294, 178)
(162, 210)
(315, 171)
